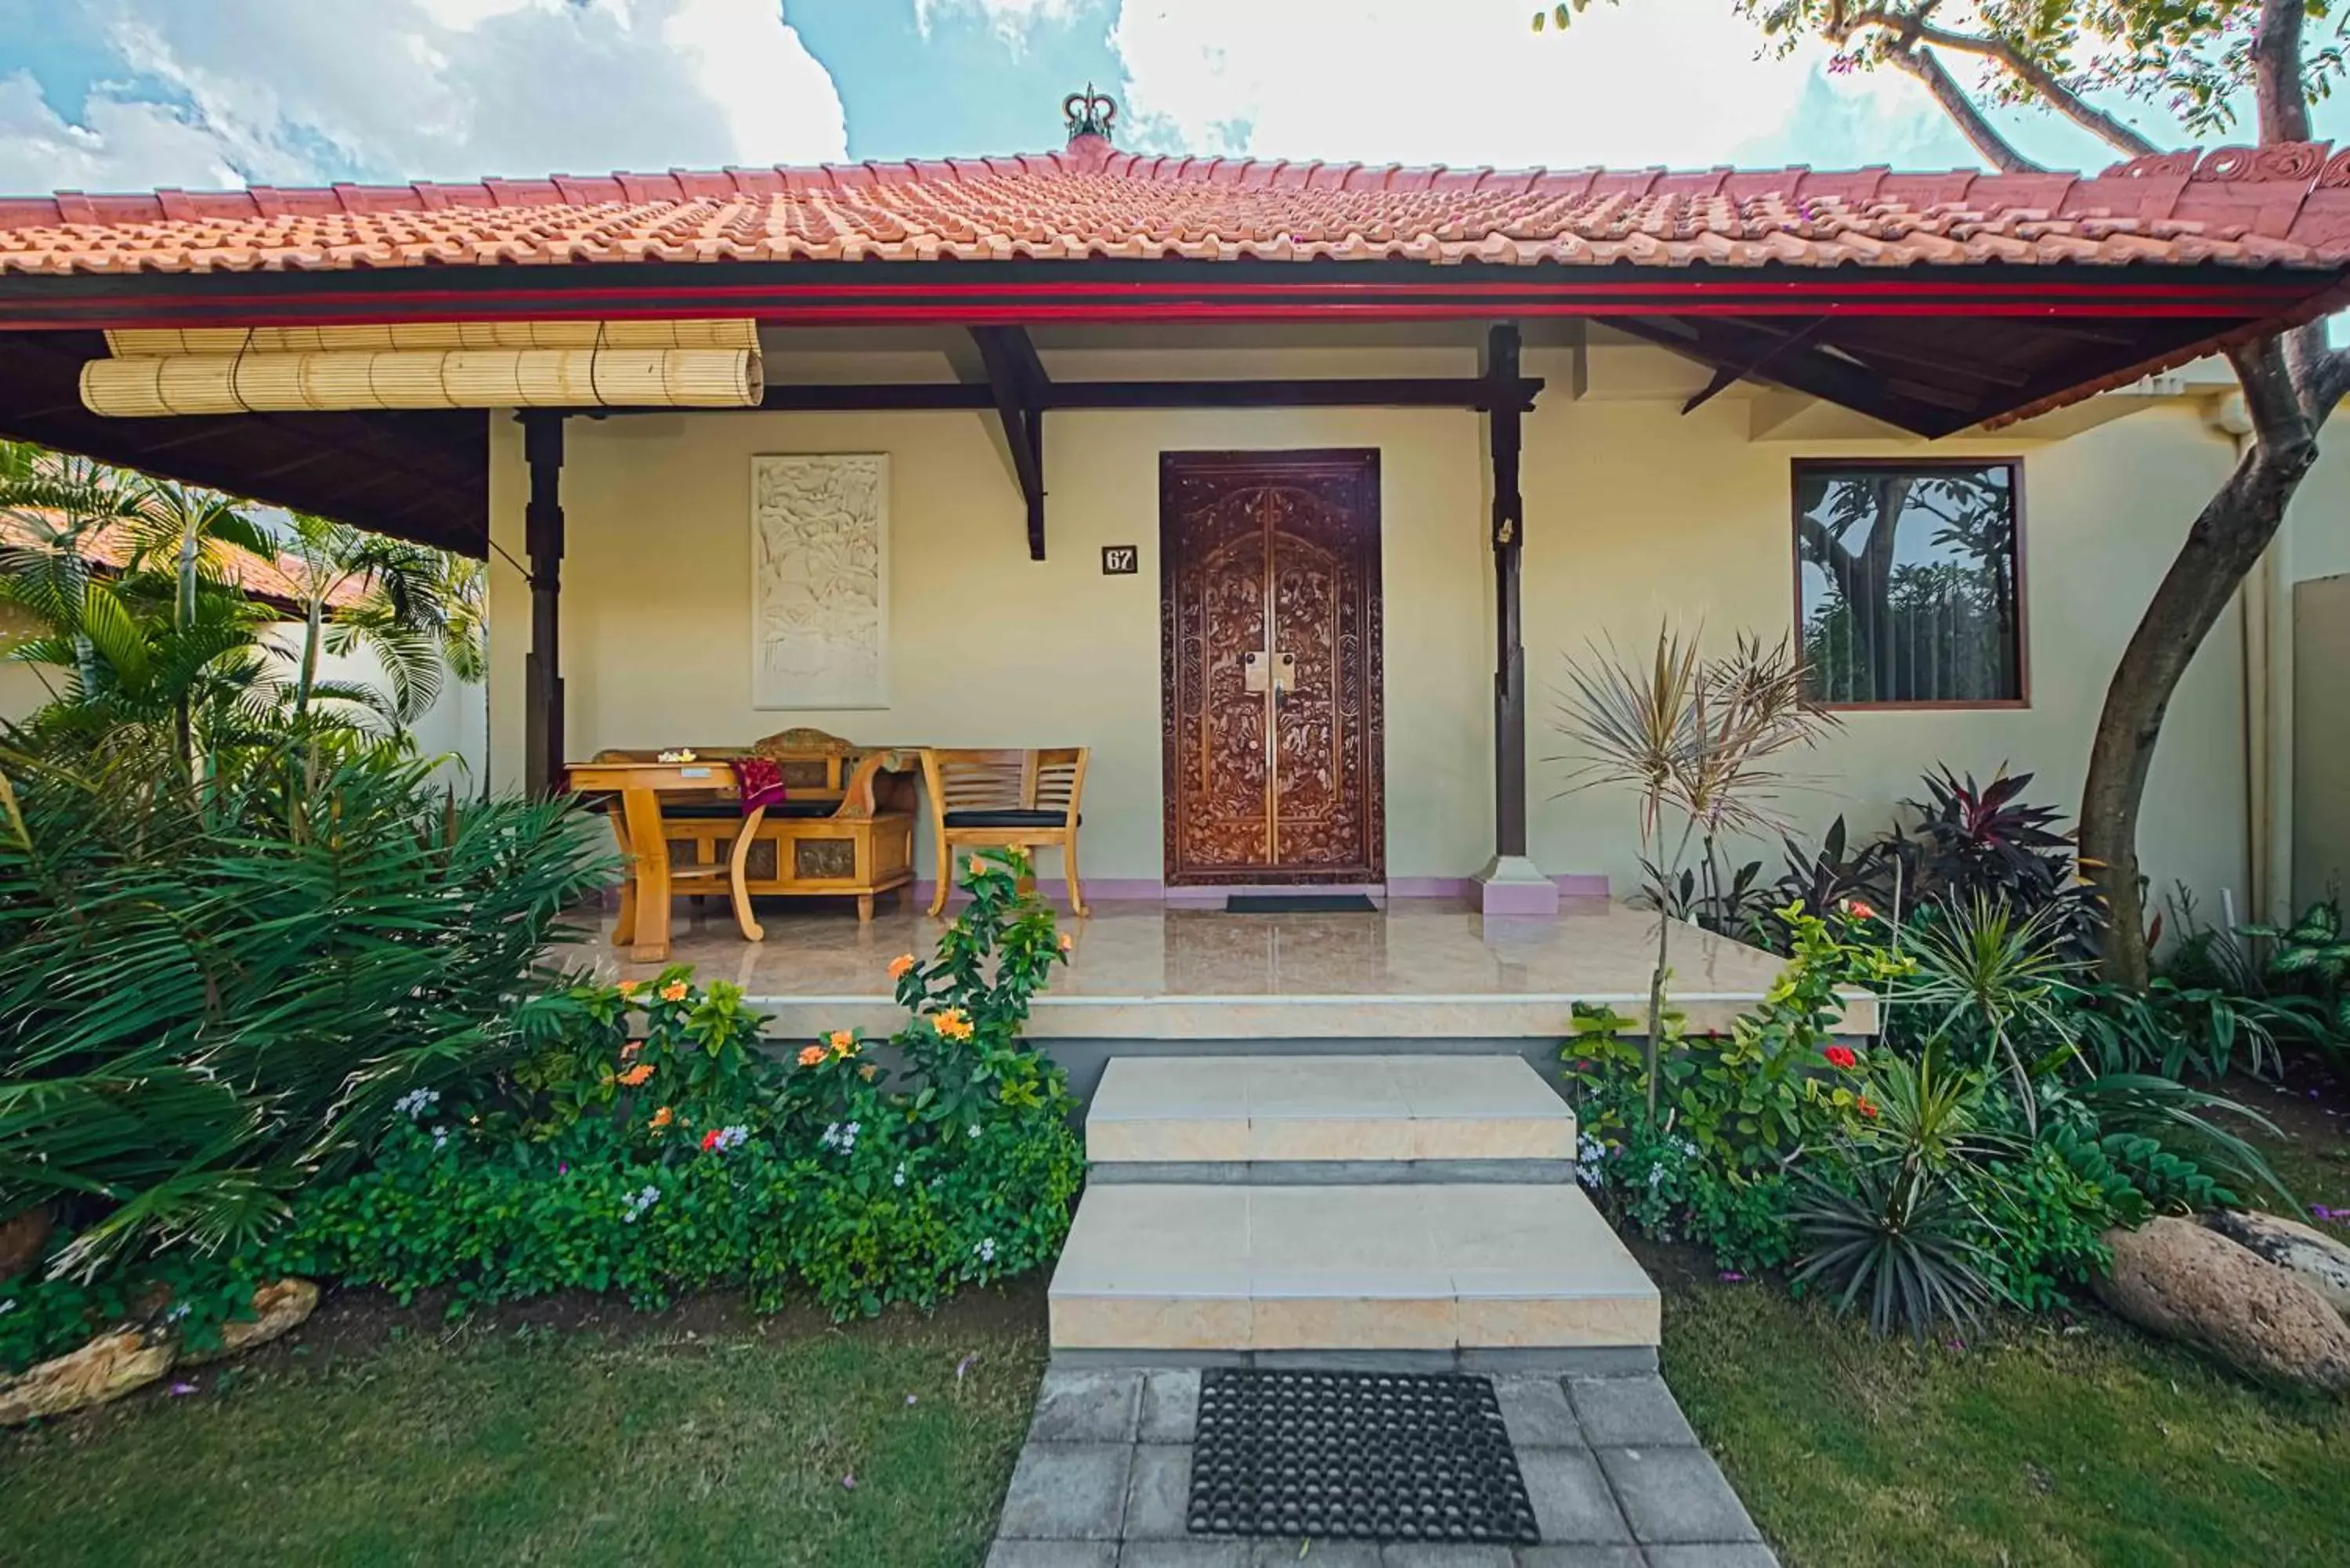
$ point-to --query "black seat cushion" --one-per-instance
(1010, 819)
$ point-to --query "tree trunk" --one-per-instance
(2225, 543)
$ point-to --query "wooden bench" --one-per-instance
(845, 829)
(1005, 799)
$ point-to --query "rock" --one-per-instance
(105, 1368)
(2317, 1260)
(22, 1239)
(2173, 1277)
(276, 1308)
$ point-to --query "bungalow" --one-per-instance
(1284, 488)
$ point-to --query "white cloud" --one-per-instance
(289, 91)
(1656, 82)
(1010, 20)
(119, 142)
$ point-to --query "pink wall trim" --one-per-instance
(1150, 889)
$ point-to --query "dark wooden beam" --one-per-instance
(885, 398)
(1016, 377)
(1504, 425)
(1473, 392)
(1338, 392)
(1730, 344)
(542, 450)
(1728, 375)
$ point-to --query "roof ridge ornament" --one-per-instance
(1089, 113)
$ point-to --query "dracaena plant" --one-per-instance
(1701, 744)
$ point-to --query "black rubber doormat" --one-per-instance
(1299, 904)
(1361, 1456)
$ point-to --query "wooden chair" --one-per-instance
(1003, 800)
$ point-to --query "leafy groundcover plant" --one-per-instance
(656, 1146)
(1975, 1152)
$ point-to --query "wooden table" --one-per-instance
(874, 820)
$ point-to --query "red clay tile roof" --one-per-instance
(109, 546)
(2272, 206)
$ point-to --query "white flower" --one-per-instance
(439, 1138)
(831, 1138)
(986, 1248)
(414, 1104)
(975, 1130)
(1656, 1174)
(854, 1128)
(731, 1139)
(898, 1179)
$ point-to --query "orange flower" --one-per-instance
(673, 991)
(629, 988)
(636, 1074)
(900, 965)
(662, 1117)
(629, 1052)
(1865, 1107)
(868, 1073)
(952, 1024)
(844, 1043)
(972, 867)
(812, 1056)
(1067, 942)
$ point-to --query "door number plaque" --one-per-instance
(1121, 560)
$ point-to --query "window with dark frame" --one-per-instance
(1909, 583)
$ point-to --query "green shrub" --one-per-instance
(655, 1147)
(216, 995)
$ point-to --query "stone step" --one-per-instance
(1236, 1111)
(1213, 1272)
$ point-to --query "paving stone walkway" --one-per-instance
(1616, 1478)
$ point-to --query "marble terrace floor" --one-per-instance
(1420, 967)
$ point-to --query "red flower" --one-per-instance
(709, 1139)
(1865, 1107)
(1842, 1056)
(1859, 909)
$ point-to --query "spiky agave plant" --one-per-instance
(1697, 741)
(1986, 972)
(1885, 1214)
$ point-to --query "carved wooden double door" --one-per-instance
(1269, 649)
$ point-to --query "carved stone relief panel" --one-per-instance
(820, 581)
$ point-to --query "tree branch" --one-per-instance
(2277, 87)
(1963, 111)
(1911, 27)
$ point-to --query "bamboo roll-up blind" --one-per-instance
(278, 381)
(128, 343)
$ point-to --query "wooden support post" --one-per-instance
(1504, 423)
(541, 447)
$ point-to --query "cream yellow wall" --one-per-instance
(21, 687)
(2313, 586)
(987, 646)
(1634, 514)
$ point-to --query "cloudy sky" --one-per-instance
(131, 94)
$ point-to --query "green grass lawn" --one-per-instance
(2038, 1446)
(613, 1444)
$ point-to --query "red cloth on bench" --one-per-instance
(759, 782)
